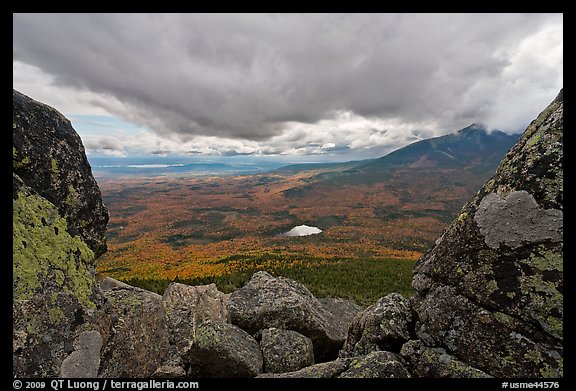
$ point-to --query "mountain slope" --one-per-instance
(470, 147)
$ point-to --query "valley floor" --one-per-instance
(222, 229)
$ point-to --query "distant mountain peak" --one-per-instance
(475, 127)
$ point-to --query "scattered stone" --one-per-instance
(267, 302)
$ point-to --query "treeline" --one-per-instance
(361, 280)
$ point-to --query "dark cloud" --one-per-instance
(252, 76)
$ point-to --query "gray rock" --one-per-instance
(49, 157)
(376, 365)
(341, 313)
(436, 362)
(187, 305)
(220, 349)
(137, 340)
(491, 291)
(330, 369)
(267, 302)
(382, 326)
(285, 350)
(84, 361)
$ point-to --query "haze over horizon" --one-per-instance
(312, 87)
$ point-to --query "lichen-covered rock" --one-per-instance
(436, 362)
(53, 285)
(330, 369)
(285, 351)
(490, 292)
(136, 338)
(49, 157)
(267, 302)
(220, 349)
(378, 364)
(384, 325)
(187, 306)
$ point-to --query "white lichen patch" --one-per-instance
(516, 219)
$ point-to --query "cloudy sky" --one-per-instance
(300, 86)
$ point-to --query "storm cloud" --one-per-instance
(276, 78)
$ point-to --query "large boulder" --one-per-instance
(490, 293)
(58, 228)
(186, 308)
(267, 302)
(341, 313)
(285, 351)
(49, 157)
(385, 325)
(53, 286)
(136, 332)
(221, 349)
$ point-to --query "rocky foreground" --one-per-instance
(489, 299)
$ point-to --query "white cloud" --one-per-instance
(290, 84)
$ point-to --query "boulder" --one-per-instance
(49, 157)
(137, 339)
(385, 325)
(59, 224)
(341, 313)
(187, 306)
(285, 350)
(379, 364)
(267, 302)
(53, 286)
(490, 293)
(220, 349)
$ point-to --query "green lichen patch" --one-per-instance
(54, 172)
(18, 163)
(44, 260)
(72, 197)
(55, 315)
